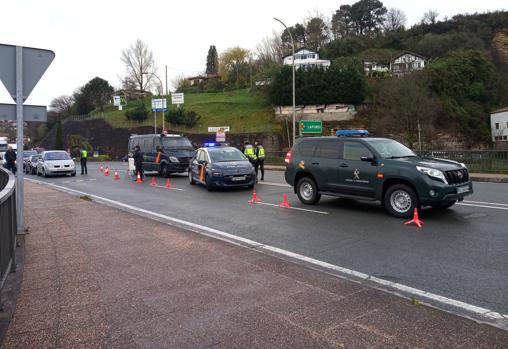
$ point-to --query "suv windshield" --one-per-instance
(226, 154)
(57, 156)
(176, 142)
(390, 149)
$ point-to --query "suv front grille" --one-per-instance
(457, 176)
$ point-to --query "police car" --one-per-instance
(221, 166)
(353, 165)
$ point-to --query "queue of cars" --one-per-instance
(48, 163)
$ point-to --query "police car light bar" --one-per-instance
(352, 133)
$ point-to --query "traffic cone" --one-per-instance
(101, 168)
(415, 219)
(284, 202)
(138, 179)
(254, 198)
(106, 171)
(154, 183)
(168, 184)
(117, 177)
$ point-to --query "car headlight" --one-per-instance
(463, 164)
(49, 165)
(216, 173)
(173, 159)
(432, 172)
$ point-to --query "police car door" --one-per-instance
(357, 177)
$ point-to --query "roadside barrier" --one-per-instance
(254, 198)
(284, 202)
(415, 219)
(117, 177)
(168, 184)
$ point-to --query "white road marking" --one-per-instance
(501, 319)
(290, 208)
(484, 206)
(161, 186)
(274, 184)
(484, 203)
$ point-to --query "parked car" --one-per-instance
(27, 154)
(55, 162)
(31, 164)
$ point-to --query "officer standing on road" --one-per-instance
(248, 151)
(260, 155)
(138, 161)
(10, 160)
(83, 158)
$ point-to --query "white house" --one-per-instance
(499, 125)
(305, 58)
(371, 68)
(407, 62)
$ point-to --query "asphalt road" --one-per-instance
(460, 253)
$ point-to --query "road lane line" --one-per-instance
(291, 208)
(484, 206)
(171, 188)
(484, 203)
(274, 184)
(501, 320)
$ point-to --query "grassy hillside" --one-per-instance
(242, 110)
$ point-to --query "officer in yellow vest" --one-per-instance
(249, 152)
(84, 157)
(260, 156)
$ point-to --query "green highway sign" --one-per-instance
(311, 126)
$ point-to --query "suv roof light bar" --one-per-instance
(352, 133)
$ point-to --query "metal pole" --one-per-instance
(166, 80)
(19, 139)
(155, 122)
(419, 136)
(293, 63)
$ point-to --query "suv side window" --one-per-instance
(307, 147)
(329, 149)
(355, 150)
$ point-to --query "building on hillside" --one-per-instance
(199, 79)
(407, 62)
(374, 68)
(306, 59)
(132, 94)
(499, 125)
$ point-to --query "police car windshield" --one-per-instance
(390, 149)
(61, 155)
(225, 154)
(176, 142)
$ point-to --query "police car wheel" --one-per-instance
(191, 179)
(307, 191)
(208, 183)
(400, 201)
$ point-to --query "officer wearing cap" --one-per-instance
(260, 156)
(138, 161)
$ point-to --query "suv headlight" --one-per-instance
(173, 159)
(432, 172)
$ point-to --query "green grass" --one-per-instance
(243, 111)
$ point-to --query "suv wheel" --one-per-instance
(191, 179)
(400, 201)
(307, 191)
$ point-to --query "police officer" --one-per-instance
(260, 155)
(138, 161)
(10, 160)
(248, 151)
(83, 159)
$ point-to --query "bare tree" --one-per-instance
(395, 19)
(270, 49)
(140, 65)
(62, 105)
(430, 17)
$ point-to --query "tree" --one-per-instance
(342, 23)
(98, 92)
(139, 113)
(430, 17)
(212, 61)
(138, 59)
(367, 15)
(316, 33)
(395, 20)
(82, 104)
(77, 142)
(59, 145)
(299, 36)
(270, 50)
(62, 105)
(233, 66)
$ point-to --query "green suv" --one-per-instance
(375, 169)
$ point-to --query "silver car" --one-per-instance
(55, 162)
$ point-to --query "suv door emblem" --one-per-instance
(356, 174)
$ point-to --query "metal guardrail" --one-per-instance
(8, 226)
(479, 161)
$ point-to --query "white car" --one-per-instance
(55, 162)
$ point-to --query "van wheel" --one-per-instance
(400, 201)
(307, 191)
(164, 171)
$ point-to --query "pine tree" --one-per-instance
(212, 61)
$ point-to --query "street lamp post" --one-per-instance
(293, 64)
(155, 113)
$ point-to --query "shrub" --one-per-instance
(139, 113)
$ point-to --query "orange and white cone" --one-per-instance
(106, 171)
(138, 178)
(284, 202)
(154, 183)
(168, 184)
(415, 219)
(117, 177)
(101, 168)
(254, 198)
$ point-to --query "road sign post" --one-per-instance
(20, 70)
(159, 104)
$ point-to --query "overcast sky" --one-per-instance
(88, 36)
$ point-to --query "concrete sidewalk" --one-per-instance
(97, 277)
